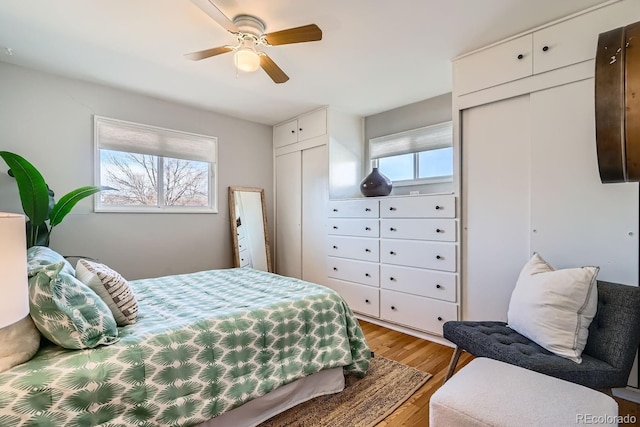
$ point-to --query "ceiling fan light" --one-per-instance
(247, 59)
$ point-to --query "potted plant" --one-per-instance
(38, 202)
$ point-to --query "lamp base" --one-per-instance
(18, 343)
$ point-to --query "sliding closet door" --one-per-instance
(289, 214)
(315, 193)
(495, 205)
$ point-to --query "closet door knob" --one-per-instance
(439, 319)
(545, 48)
(520, 56)
(438, 257)
(437, 286)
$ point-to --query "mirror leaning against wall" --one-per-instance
(247, 214)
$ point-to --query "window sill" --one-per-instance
(426, 181)
(157, 210)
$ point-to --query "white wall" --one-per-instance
(49, 120)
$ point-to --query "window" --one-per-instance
(418, 156)
(154, 169)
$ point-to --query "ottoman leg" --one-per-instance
(453, 363)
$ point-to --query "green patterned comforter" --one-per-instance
(204, 343)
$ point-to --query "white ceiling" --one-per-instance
(375, 55)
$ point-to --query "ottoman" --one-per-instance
(488, 392)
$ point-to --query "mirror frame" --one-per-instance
(234, 225)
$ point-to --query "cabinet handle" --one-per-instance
(393, 279)
(520, 56)
(438, 257)
(293, 131)
(438, 207)
(545, 48)
(367, 274)
(438, 230)
(392, 252)
(392, 208)
(367, 228)
(392, 229)
(367, 250)
(335, 210)
(335, 227)
(367, 301)
(439, 319)
(367, 209)
(335, 247)
(437, 286)
(336, 269)
(300, 129)
(393, 307)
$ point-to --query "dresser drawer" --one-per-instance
(362, 248)
(361, 299)
(243, 244)
(419, 207)
(416, 312)
(417, 281)
(419, 229)
(416, 253)
(366, 273)
(353, 208)
(362, 227)
(245, 258)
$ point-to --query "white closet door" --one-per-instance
(315, 195)
(577, 220)
(289, 214)
(495, 211)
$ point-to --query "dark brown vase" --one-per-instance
(375, 184)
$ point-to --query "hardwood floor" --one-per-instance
(433, 358)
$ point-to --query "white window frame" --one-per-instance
(414, 141)
(211, 157)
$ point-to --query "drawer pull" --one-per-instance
(520, 56)
(367, 301)
(438, 230)
(393, 307)
(335, 227)
(335, 209)
(545, 48)
(367, 250)
(437, 286)
(293, 131)
(393, 279)
(367, 228)
(438, 207)
(335, 247)
(392, 208)
(439, 319)
(392, 252)
(336, 269)
(300, 129)
(367, 209)
(438, 257)
(367, 275)
(392, 229)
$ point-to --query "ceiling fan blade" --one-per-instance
(212, 10)
(207, 53)
(270, 67)
(306, 33)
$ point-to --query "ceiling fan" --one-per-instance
(249, 33)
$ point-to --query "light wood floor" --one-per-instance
(433, 358)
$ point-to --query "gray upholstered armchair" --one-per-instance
(614, 336)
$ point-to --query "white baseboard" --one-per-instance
(631, 394)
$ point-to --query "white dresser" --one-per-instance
(395, 259)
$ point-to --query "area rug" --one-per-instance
(363, 403)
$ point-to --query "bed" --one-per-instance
(205, 346)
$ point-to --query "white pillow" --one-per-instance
(553, 307)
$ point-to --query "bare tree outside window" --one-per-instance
(135, 176)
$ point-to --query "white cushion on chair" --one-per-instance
(487, 392)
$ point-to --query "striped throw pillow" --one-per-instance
(111, 287)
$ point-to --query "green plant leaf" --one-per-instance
(34, 194)
(38, 236)
(69, 200)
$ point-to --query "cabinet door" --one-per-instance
(417, 281)
(362, 248)
(419, 207)
(575, 40)
(365, 273)
(443, 230)
(289, 214)
(416, 253)
(312, 125)
(361, 299)
(416, 312)
(353, 208)
(499, 64)
(285, 134)
(315, 194)
(360, 227)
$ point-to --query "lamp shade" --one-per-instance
(14, 303)
(247, 59)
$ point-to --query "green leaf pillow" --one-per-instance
(39, 256)
(67, 311)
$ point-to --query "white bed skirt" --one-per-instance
(279, 400)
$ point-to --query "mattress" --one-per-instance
(204, 343)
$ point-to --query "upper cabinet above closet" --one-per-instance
(553, 46)
(304, 127)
